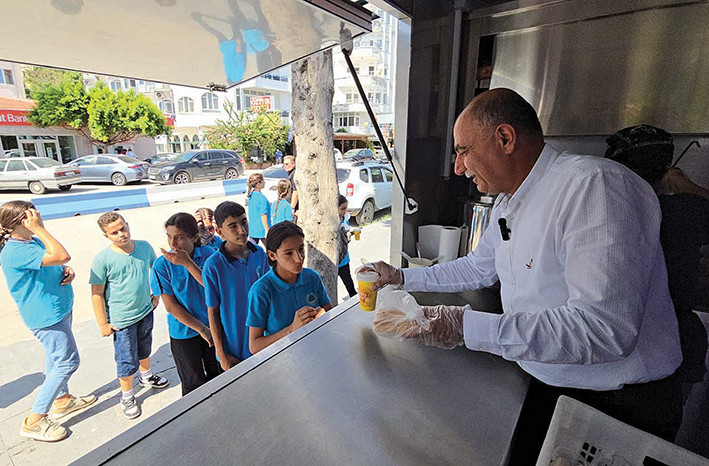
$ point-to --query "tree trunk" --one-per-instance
(313, 87)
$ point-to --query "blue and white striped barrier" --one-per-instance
(70, 205)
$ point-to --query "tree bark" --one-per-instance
(313, 87)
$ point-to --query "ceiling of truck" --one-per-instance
(199, 44)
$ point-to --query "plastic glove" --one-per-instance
(388, 274)
(445, 327)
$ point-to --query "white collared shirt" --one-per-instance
(583, 277)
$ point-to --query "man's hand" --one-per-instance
(445, 327)
(388, 274)
(303, 316)
(107, 329)
(177, 257)
(69, 275)
(33, 221)
(154, 300)
(207, 335)
(227, 361)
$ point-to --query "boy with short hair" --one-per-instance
(228, 275)
(123, 306)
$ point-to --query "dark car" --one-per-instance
(356, 155)
(157, 158)
(203, 164)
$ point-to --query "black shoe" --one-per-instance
(155, 381)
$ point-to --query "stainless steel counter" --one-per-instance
(335, 393)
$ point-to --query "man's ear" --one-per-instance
(508, 137)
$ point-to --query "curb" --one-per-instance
(71, 205)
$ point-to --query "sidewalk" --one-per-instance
(23, 359)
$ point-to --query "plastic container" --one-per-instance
(586, 436)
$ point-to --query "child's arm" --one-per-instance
(180, 257)
(99, 304)
(264, 220)
(180, 313)
(257, 340)
(56, 254)
(226, 360)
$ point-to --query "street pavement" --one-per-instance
(23, 358)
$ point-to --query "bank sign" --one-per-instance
(14, 117)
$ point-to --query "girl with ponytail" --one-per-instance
(281, 209)
(259, 210)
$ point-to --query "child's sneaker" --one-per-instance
(75, 403)
(130, 407)
(154, 381)
(44, 430)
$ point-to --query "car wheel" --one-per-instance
(231, 174)
(65, 188)
(37, 187)
(119, 179)
(366, 214)
(182, 178)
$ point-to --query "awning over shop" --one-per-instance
(201, 44)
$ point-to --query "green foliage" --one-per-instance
(247, 130)
(103, 116)
(341, 130)
(38, 77)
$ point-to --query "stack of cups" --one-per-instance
(367, 296)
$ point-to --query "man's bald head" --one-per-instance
(503, 106)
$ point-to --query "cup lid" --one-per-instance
(367, 276)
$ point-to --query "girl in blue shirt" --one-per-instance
(40, 284)
(259, 208)
(289, 295)
(281, 209)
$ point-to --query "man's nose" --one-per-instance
(459, 165)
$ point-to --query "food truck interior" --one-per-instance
(344, 395)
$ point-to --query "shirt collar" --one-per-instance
(222, 248)
(540, 168)
(280, 284)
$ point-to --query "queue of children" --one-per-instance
(226, 297)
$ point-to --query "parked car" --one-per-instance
(37, 174)
(198, 164)
(110, 168)
(358, 154)
(367, 185)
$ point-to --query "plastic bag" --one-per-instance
(398, 315)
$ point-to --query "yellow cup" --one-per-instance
(367, 296)
(356, 234)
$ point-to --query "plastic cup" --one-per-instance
(356, 234)
(367, 296)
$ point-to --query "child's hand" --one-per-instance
(33, 221)
(69, 275)
(177, 257)
(227, 361)
(302, 316)
(107, 329)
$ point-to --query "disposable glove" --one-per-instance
(445, 327)
(388, 274)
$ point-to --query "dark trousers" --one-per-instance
(655, 407)
(195, 361)
(344, 273)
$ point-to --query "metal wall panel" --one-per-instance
(595, 76)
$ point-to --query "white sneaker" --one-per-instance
(44, 430)
(130, 407)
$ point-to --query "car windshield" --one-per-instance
(342, 174)
(45, 163)
(275, 172)
(184, 157)
(125, 158)
(352, 152)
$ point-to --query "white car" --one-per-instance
(37, 174)
(367, 185)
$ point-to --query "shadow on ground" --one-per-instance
(14, 391)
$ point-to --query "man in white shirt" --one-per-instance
(587, 311)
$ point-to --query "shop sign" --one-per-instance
(263, 102)
(14, 117)
(169, 119)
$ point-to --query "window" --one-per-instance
(348, 97)
(2, 165)
(129, 83)
(363, 175)
(186, 142)
(175, 144)
(115, 86)
(185, 105)
(377, 175)
(202, 157)
(195, 142)
(15, 166)
(371, 71)
(216, 155)
(6, 77)
(346, 119)
(387, 174)
(104, 161)
(210, 101)
(166, 106)
(29, 166)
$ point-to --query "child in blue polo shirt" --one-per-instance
(123, 306)
(289, 295)
(40, 284)
(259, 208)
(205, 223)
(281, 209)
(228, 276)
(177, 278)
